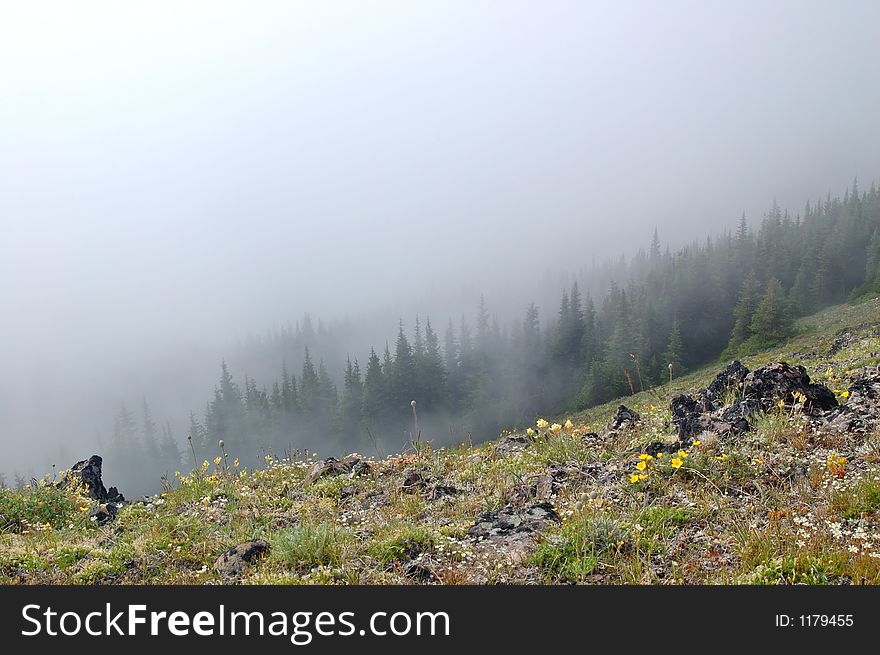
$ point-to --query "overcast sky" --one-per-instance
(177, 173)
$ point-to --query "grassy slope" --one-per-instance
(749, 517)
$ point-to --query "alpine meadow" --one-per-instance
(439, 293)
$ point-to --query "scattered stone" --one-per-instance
(499, 524)
(623, 418)
(551, 482)
(850, 336)
(414, 480)
(421, 569)
(347, 492)
(511, 444)
(440, 491)
(103, 514)
(237, 559)
(861, 413)
(332, 467)
(656, 447)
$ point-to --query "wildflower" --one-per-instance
(721, 457)
(641, 466)
(530, 432)
(844, 394)
(682, 453)
(634, 478)
(757, 460)
(697, 442)
(643, 476)
(646, 457)
(781, 404)
(217, 460)
(676, 463)
(836, 465)
(568, 425)
(555, 428)
(235, 462)
(542, 424)
(660, 455)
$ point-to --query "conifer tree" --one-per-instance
(771, 322)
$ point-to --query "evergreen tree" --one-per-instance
(771, 322)
(674, 349)
(742, 313)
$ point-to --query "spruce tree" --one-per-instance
(771, 322)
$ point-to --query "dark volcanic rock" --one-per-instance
(331, 467)
(512, 443)
(779, 381)
(421, 569)
(861, 413)
(88, 473)
(510, 521)
(727, 382)
(104, 513)
(624, 417)
(735, 417)
(414, 479)
(443, 491)
(552, 481)
(234, 561)
(656, 447)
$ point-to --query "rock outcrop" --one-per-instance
(736, 394)
(236, 560)
(332, 467)
(861, 413)
(88, 474)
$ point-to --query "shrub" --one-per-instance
(41, 504)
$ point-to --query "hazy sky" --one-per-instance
(175, 173)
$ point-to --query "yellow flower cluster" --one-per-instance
(542, 424)
(642, 468)
(836, 465)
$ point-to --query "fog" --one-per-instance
(177, 176)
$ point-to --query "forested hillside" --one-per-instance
(630, 324)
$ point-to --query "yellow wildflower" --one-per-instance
(697, 442)
(676, 463)
(641, 466)
(634, 478)
(568, 425)
(643, 476)
(682, 453)
(542, 424)
(217, 460)
(530, 432)
(721, 457)
(660, 455)
(555, 428)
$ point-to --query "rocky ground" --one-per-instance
(763, 470)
